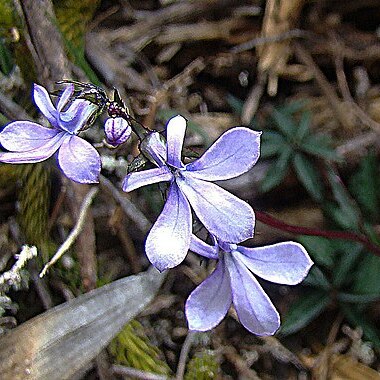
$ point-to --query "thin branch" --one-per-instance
(343, 85)
(345, 235)
(336, 104)
(11, 109)
(132, 212)
(75, 231)
(184, 355)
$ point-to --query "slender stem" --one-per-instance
(184, 355)
(75, 231)
(345, 235)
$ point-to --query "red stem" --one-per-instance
(273, 222)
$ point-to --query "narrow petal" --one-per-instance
(175, 134)
(233, 154)
(254, 308)
(79, 160)
(146, 177)
(35, 155)
(199, 246)
(21, 136)
(44, 103)
(154, 148)
(65, 97)
(224, 215)
(208, 304)
(284, 263)
(169, 239)
(77, 115)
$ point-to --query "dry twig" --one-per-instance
(74, 232)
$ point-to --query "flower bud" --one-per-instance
(117, 130)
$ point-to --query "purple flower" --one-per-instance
(222, 213)
(233, 281)
(29, 142)
(117, 130)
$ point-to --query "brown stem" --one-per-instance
(345, 235)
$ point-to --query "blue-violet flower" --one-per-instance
(29, 142)
(233, 281)
(222, 213)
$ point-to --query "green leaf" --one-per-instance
(358, 298)
(317, 279)
(6, 62)
(277, 170)
(358, 319)
(272, 143)
(367, 279)
(319, 248)
(308, 176)
(318, 145)
(349, 212)
(364, 184)
(303, 128)
(285, 123)
(348, 257)
(293, 107)
(302, 312)
(235, 103)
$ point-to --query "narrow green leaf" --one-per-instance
(348, 257)
(317, 279)
(285, 123)
(6, 62)
(235, 103)
(272, 143)
(358, 319)
(304, 126)
(320, 249)
(318, 145)
(349, 209)
(308, 176)
(358, 298)
(367, 279)
(277, 170)
(293, 107)
(364, 184)
(302, 312)
(340, 216)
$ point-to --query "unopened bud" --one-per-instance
(117, 130)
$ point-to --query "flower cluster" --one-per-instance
(191, 191)
(228, 219)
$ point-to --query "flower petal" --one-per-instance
(35, 155)
(153, 146)
(169, 239)
(65, 97)
(76, 115)
(254, 308)
(175, 134)
(233, 154)
(284, 263)
(208, 304)
(21, 136)
(44, 103)
(146, 177)
(201, 248)
(79, 160)
(223, 214)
